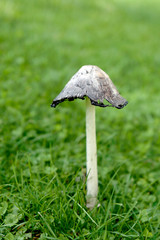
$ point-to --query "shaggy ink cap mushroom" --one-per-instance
(92, 82)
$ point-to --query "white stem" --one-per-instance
(91, 148)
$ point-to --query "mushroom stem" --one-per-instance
(91, 148)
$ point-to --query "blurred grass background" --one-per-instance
(42, 150)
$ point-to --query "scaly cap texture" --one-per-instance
(92, 82)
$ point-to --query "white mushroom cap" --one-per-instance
(93, 82)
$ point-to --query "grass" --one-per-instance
(42, 150)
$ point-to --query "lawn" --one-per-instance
(42, 150)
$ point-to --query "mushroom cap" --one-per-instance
(92, 82)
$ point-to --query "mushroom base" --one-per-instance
(91, 202)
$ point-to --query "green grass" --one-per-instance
(42, 150)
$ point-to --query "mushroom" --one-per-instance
(94, 84)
